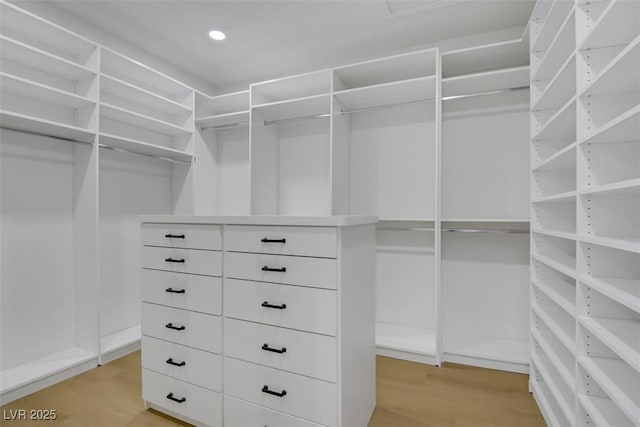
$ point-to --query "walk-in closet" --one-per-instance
(321, 213)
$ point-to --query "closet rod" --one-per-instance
(61, 138)
(296, 119)
(229, 126)
(489, 92)
(405, 229)
(155, 156)
(485, 230)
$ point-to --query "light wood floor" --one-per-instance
(409, 395)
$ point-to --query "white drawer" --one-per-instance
(306, 241)
(306, 309)
(196, 403)
(184, 363)
(187, 236)
(197, 330)
(302, 353)
(186, 291)
(182, 260)
(238, 413)
(292, 270)
(305, 397)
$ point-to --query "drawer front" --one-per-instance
(200, 404)
(238, 413)
(186, 236)
(296, 307)
(305, 397)
(302, 353)
(302, 271)
(182, 260)
(197, 330)
(186, 291)
(184, 363)
(306, 241)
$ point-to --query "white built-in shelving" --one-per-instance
(585, 210)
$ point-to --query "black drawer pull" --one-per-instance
(279, 270)
(265, 240)
(174, 236)
(174, 260)
(176, 328)
(266, 347)
(175, 399)
(175, 291)
(171, 362)
(265, 389)
(279, 307)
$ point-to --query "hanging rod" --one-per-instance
(485, 230)
(489, 92)
(296, 119)
(60, 138)
(155, 156)
(405, 229)
(227, 126)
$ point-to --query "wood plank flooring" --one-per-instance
(409, 395)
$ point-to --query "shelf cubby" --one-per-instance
(546, 28)
(486, 81)
(604, 24)
(558, 286)
(602, 411)
(292, 109)
(222, 111)
(560, 391)
(560, 250)
(490, 57)
(559, 126)
(556, 92)
(555, 181)
(557, 319)
(387, 94)
(546, 400)
(289, 88)
(555, 349)
(596, 160)
(624, 128)
(555, 217)
(612, 378)
(546, 63)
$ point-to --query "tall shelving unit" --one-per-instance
(585, 271)
(485, 222)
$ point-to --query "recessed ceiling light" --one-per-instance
(217, 35)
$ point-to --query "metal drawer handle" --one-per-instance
(174, 260)
(265, 389)
(177, 328)
(175, 399)
(171, 362)
(175, 291)
(265, 240)
(279, 307)
(279, 270)
(266, 347)
(174, 236)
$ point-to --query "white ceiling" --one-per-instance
(274, 38)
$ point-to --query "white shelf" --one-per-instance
(544, 313)
(386, 94)
(620, 335)
(131, 92)
(561, 267)
(291, 109)
(620, 76)
(556, 197)
(119, 66)
(144, 147)
(561, 292)
(120, 339)
(221, 104)
(561, 125)
(618, 24)
(622, 244)
(540, 395)
(29, 372)
(563, 159)
(566, 374)
(550, 380)
(29, 89)
(553, 21)
(630, 186)
(507, 221)
(118, 114)
(32, 57)
(623, 291)
(559, 49)
(554, 233)
(560, 89)
(406, 339)
(487, 348)
(618, 380)
(603, 411)
(23, 122)
(625, 127)
(240, 118)
(508, 54)
(487, 81)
